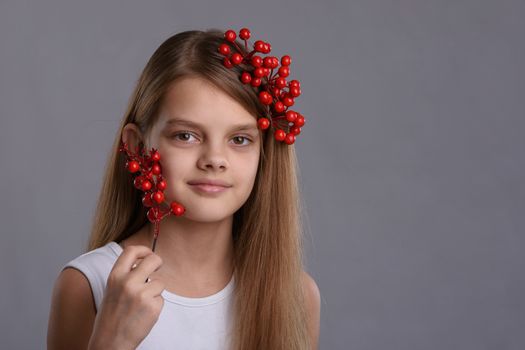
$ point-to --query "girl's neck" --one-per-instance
(194, 254)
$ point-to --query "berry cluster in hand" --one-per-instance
(148, 178)
(275, 91)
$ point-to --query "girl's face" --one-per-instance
(204, 134)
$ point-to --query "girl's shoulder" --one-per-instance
(107, 253)
(313, 306)
(96, 265)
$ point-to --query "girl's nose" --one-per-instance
(213, 158)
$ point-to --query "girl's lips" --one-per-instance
(209, 188)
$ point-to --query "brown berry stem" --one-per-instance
(156, 228)
(155, 236)
(237, 46)
(249, 55)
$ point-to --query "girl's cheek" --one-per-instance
(170, 173)
(176, 169)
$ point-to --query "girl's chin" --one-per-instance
(208, 217)
(205, 208)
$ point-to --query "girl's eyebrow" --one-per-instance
(189, 123)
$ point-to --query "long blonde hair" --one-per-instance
(269, 309)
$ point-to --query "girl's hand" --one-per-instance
(130, 307)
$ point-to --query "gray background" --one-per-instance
(412, 160)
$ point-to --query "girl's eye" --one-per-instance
(241, 138)
(186, 135)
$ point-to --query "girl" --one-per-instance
(228, 274)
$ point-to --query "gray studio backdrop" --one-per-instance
(412, 160)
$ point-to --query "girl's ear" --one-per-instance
(132, 136)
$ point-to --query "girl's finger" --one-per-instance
(146, 267)
(128, 257)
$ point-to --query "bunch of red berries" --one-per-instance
(275, 92)
(149, 179)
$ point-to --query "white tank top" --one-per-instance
(184, 323)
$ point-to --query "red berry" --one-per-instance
(227, 63)
(259, 72)
(268, 62)
(291, 116)
(259, 46)
(246, 77)
(155, 169)
(236, 58)
(279, 107)
(265, 98)
(177, 209)
(288, 101)
(230, 35)
(153, 214)
(279, 134)
(138, 182)
(300, 120)
(158, 197)
(256, 61)
(286, 60)
(267, 48)
(224, 49)
(280, 82)
(161, 185)
(146, 185)
(263, 123)
(295, 83)
(256, 81)
(155, 156)
(133, 166)
(266, 71)
(146, 200)
(295, 130)
(289, 139)
(284, 71)
(295, 91)
(244, 34)
(276, 91)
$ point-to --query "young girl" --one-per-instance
(228, 274)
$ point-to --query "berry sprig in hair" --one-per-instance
(148, 178)
(275, 92)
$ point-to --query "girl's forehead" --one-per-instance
(196, 101)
